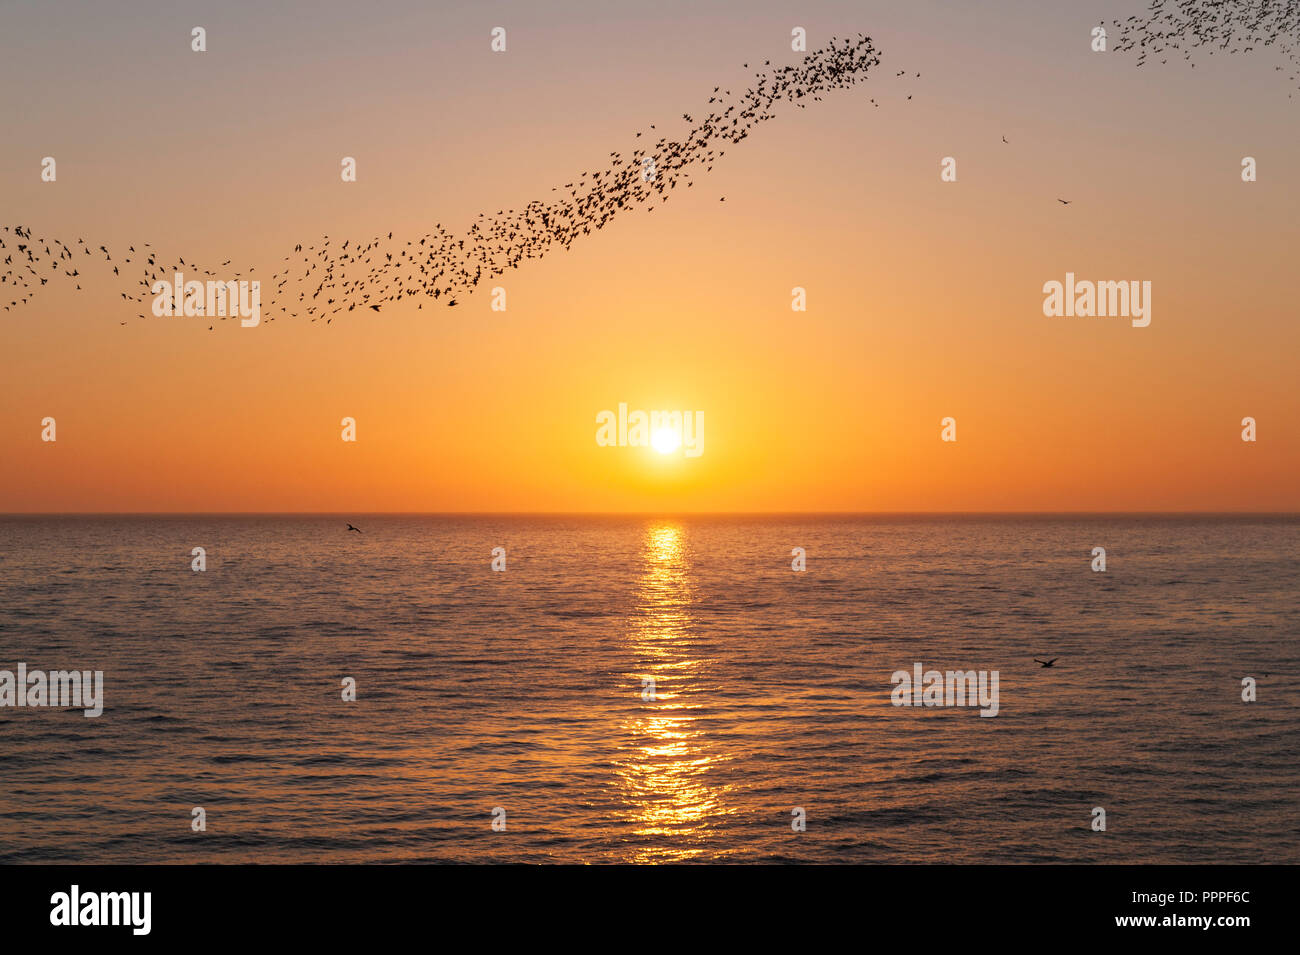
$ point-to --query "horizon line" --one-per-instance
(665, 513)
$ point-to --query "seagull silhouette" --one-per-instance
(1065, 202)
(1046, 663)
(351, 528)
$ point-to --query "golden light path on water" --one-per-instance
(665, 768)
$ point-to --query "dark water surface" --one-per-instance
(522, 690)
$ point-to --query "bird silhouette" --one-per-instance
(1046, 663)
(351, 528)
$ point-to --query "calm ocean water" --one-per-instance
(522, 689)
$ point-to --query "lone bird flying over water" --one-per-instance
(1046, 663)
(351, 528)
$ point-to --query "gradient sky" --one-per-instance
(924, 297)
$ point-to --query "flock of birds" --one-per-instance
(325, 279)
(1227, 26)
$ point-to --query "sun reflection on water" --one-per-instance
(665, 767)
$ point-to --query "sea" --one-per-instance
(642, 689)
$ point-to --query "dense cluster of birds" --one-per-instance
(331, 276)
(328, 277)
(1217, 26)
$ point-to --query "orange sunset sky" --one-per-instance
(924, 297)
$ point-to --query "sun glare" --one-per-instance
(666, 440)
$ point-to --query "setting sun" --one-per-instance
(666, 440)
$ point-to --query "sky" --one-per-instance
(924, 297)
